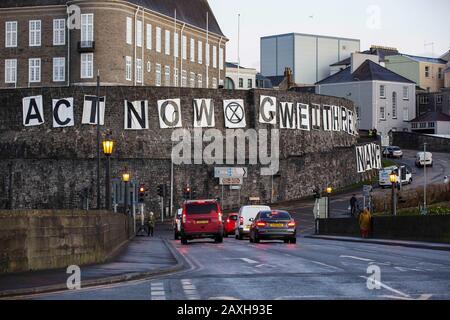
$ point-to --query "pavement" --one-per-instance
(143, 257)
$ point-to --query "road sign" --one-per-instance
(231, 181)
(230, 172)
(367, 190)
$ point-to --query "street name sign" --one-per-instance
(231, 181)
(230, 172)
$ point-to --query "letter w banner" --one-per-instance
(368, 157)
(136, 115)
(204, 113)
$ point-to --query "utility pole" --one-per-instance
(238, 51)
(425, 209)
(97, 101)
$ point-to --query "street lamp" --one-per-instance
(126, 180)
(329, 191)
(108, 147)
(393, 178)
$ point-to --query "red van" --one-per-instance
(201, 219)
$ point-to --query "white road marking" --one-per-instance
(224, 298)
(157, 291)
(326, 265)
(421, 298)
(357, 258)
(190, 290)
(382, 285)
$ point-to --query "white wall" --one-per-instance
(245, 74)
(443, 127)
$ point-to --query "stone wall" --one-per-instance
(415, 141)
(39, 240)
(46, 168)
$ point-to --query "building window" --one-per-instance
(423, 125)
(405, 93)
(200, 52)
(11, 71)
(414, 125)
(250, 83)
(87, 65)
(214, 83)
(200, 80)
(439, 99)
(11, 34)
(59, 69)
(175, 77)
(192, 80)
(214, 57)
(129, 30)
(184, 48)
(241, 83)
(87, 27)
(382, 113)
(128, 69)
(149, 66)
(221, 59)
(158, 75)
(427, 72)
(34, 70)
(158, 39)
(440, 73)
(59, 32)
(192, 50)
(167, 76)
(207, 54)
(405, 114)
(139, 32)
(184, 78)
(394, 105)
(176, 48)
(424, 100)
(149, 37)
(139, 73)
(167, 43)
(383, 91)
(430, 124)
(35, 33)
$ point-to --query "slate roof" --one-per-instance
(276, 80)
(425, 59)
(432, 117)
(367, 71)
(192, 12)
(382, 53)
(233, 65)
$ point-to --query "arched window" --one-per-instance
(394, 105)
(229, 84)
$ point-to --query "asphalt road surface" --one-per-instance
(310, 270)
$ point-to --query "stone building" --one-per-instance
(129, 42)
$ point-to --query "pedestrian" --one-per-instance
(375, 134)
(446, 180)
(353, 205)
(365, 219)
(151, 224)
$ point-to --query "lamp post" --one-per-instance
(329, 191)
(108, 147)
(393, 179)
(126, 179)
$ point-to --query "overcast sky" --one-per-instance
(405, 24)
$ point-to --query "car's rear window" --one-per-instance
(233, 217)
(269, 215)
(201, 208)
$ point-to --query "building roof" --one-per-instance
(276, 80)
(233, 65)
(367, 71)
(192, 12)
(381, 52)
(432, 117)
(425, 59)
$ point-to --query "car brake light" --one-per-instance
(260, 224)
(228, 220)
(184, 218)
(291, 224)
(241, 221)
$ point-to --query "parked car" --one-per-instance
(201, 219)
(273, 225)
(424, 159)
(177, 224)
(230, 224)
(393, 152)
(246, 215)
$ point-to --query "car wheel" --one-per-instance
(256, 239)
(236, 236)
(240, 236)
(176, 236)
(184, 240)
(294, 240)
(287, 241)
(219, 239)
(251, 239)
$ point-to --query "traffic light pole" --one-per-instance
(162, 209)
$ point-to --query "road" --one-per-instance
(312, 269)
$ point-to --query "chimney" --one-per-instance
(357, 59)
(288, 77)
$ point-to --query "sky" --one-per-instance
(408, 25)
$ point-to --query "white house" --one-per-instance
(239, 78)
(384, 100)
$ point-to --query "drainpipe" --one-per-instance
(143, 46)
(181, 58)
(135, 44)
(68, 48)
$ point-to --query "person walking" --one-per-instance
(151, 224)
(365, 219)
(353, 205)
(446, 180)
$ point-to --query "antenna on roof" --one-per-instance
(425, 45)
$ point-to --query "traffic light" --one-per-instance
(317, 194)
(161, 190)
(141, 194)
(187, 192)
(193, 193)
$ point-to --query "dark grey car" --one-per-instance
(273, 225)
